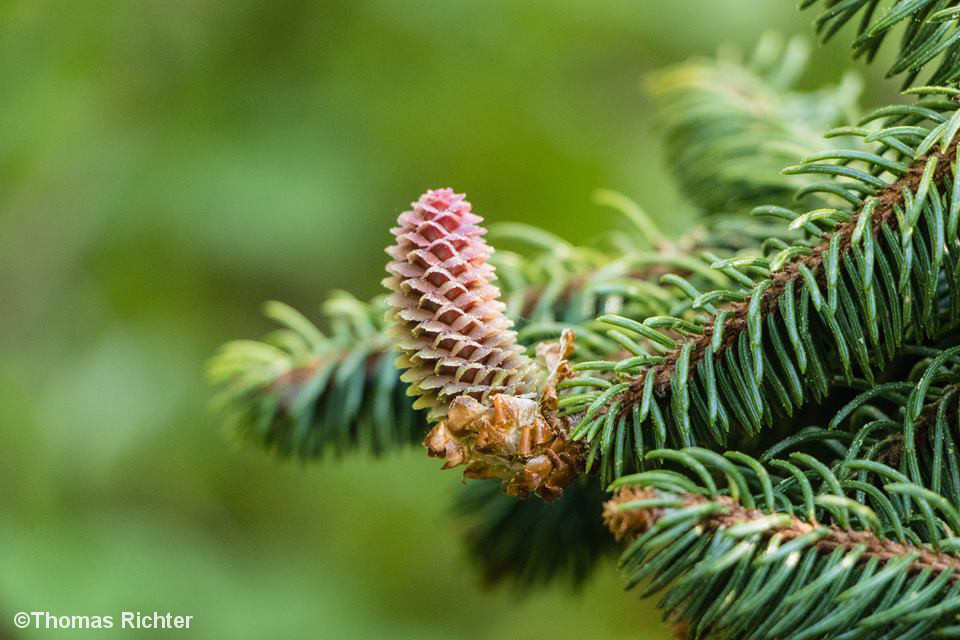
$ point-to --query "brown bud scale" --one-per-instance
(518, 440)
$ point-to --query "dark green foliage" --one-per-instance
(791, 549)
(875, 270)
(911, 423)
(729, 127)
(553, 285)
(529, 542)
(930, 34)
(301, 393)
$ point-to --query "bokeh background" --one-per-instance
(167, 165)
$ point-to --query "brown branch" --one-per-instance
(628, 523)
(889, 198)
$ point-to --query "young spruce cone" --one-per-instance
(495, 405)
(448, 319)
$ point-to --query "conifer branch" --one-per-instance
(911, 424)
(931, 32)
(759, 560)
(843, 299)
(883, 213)
(729, 125)
(724, 513)
(302, 393)
(531, 542)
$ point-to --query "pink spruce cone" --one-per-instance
(494, 408)
(448, 321)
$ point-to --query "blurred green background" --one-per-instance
(165, 166)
